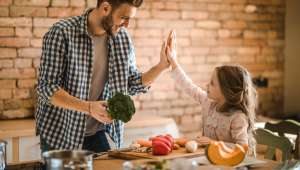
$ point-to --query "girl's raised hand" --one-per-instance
(171, 49)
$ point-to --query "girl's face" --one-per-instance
(213, 89)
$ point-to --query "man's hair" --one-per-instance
(116, 3)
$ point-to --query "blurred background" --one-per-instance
(261, 35)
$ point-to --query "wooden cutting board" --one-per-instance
(180, 153)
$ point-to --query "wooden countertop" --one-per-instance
(117, 164)
(17, 128)
(26, 127)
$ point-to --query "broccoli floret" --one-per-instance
(121, 107)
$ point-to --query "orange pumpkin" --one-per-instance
(219, 154)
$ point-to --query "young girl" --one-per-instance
(228, 105)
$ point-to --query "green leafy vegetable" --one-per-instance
(121, 107)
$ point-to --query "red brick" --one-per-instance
(248, 50)
(8, 84)
(195, 51)
(235, 24)
(243, 58)
(157, 5)
(192, 6)
(146, 5)
(272, 34)
(268, 51)
(213, 7)
(180, 32)
(236, 33)
(64, 12)
(36, 62)
(209, 24)
(6, 64)
(29, 52)
(28, 83)
(230, 42)
(4, 11)
(223, 50)
(261, 26)
(145, 50)
(21, 11)
(199, 59)
(165, 14)
(5, 93)
(218, 59)
(28, 103)
(77, 3)
(203, 33)
(180, 24)
(5, 2)
(148, 32)
(21, 93)
(238, 8)
(12, 104)
(23, 63)
(255, 34)
(185, 59)
(23, 32)
(197, 15)
(61, 3)
(17, 73)
(254, 42)
(1, 106)
(6, 32)
(44, 22)
(276, 43)
(91, 3)
(147, 42)
(171, 5)
(44, 3)
(15, 22)
(223, 33)
(14, 42)
(20, 113)
(183, 42)
(151, 23)
(8, 53)
(143, 14)
(36, 42)
(203, 41)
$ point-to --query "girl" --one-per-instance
(228, 105)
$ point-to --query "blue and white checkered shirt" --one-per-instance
(66, 62)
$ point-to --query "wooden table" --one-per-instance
(107, 163)
(116, 164)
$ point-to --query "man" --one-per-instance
(85, 60)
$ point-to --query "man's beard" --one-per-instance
(107, 24)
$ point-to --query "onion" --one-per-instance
(191, 146)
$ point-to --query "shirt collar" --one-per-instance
(84, 21)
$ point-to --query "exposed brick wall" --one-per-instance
(210, 33)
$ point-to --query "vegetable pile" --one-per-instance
(121, 107)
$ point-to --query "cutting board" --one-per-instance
(180, 153)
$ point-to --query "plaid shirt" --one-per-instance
(67, 62)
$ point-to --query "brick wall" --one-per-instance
(210, 33)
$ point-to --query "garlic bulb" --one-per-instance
(191, 146)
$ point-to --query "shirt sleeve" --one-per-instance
(51, 65)
(239, 126)
(135, 84)
(185, 83)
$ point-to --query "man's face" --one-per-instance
(120, 17)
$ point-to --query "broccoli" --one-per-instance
(121, 107)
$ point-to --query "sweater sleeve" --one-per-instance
(186, 84)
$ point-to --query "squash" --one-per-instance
(219, 154)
